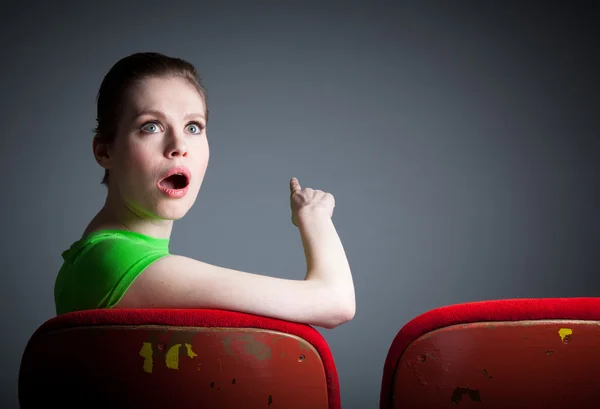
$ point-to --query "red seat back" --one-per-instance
(176, 359)
(523, 353)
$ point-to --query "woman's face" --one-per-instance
(162, 126)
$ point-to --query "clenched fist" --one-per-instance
(307, 202)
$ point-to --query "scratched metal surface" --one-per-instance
(165, 367)
(528, 364)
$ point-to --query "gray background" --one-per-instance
(460, 142)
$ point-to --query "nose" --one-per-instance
(177, 147)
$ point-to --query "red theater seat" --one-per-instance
(125, 358)
(522, 353)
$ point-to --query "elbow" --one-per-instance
(341, 313)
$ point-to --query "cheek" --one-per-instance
(138, 162)
(202, 156)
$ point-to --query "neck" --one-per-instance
(117, 215)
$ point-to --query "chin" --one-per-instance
(166, 208)
(171, 211)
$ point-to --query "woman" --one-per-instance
(151, 140)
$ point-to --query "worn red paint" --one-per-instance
(102, 367)
(502, 365)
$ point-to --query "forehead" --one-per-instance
(174, 96)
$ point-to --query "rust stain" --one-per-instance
(303, 345)
(457, 395)
(256, 348)
(227, 345)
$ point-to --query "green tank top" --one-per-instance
(98, 269)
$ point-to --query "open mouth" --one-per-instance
(175, 182)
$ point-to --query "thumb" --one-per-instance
(294, 186)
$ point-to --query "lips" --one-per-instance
(175, 182)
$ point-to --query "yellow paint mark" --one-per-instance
(146, 353)
(190, 353)
(563, 332)
(172, 358)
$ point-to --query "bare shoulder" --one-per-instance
(182, 282)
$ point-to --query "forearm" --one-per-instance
(326, 259)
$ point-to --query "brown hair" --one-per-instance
(130, 71)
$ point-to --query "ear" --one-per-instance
(102, 152)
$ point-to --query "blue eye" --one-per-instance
(150, 127)
(194, 128)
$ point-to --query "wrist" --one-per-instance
(311, 216)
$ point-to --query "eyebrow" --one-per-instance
(160, 114)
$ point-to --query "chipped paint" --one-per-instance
(564, 332)
(256, 348)
(172, 358)
(533, 352)
(430, 355)
(303, 344)
(414, 367)
(227, 345)
(177, 376)
(457, 395)
(190, 353)
(146, 353)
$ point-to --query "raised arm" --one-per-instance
(324, 298)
